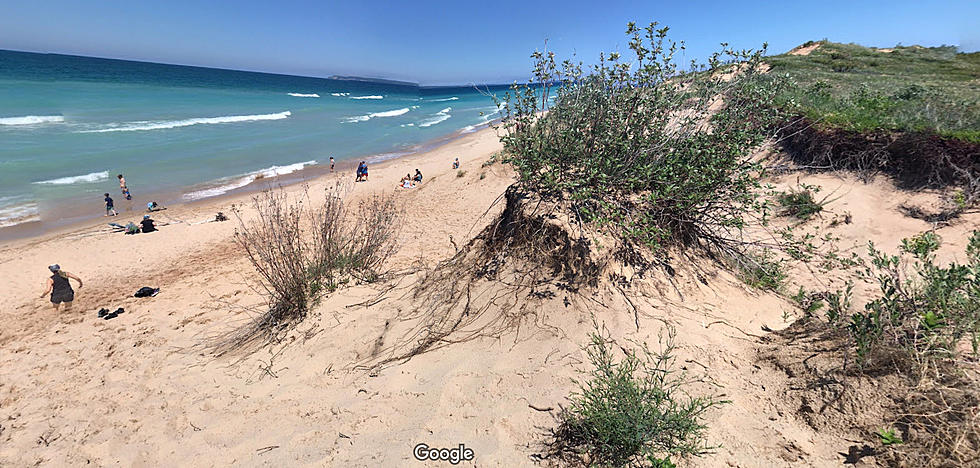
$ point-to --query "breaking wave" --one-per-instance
(79, 179)
(340, 94)
(162, 125)
(31, 120)
(231, 183)
(19, 214)
(303, 95)
(440, 116)
(363, 118)
(367, 97)
(454, 98)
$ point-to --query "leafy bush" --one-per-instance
(632, 410)
(650, 154)
(924, 315)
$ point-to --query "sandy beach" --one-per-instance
(142, 389)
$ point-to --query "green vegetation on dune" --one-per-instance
(863, 89)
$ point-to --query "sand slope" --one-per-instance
(139, 391)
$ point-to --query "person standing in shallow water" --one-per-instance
(60, 288)
(123, 188)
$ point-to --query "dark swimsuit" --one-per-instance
(61, 291)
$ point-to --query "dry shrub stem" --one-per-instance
(303, 250)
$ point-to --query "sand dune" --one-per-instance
(140, 390)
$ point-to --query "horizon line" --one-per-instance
(335, 77)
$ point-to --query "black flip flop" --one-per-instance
(103, 312)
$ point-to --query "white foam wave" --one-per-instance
(340, 94)
(303, 95)
(19, 213)
(231, 183)
(440, 116)
(363, 118)
(391, 113)
(434, 120)
(367, 97)
(454, 98)
(162, 125)
(31, 120)
(79, 179)
(468, 129)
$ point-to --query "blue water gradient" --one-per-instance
(69, 124)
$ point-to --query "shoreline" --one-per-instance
(171, 199)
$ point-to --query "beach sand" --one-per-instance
(142, 390)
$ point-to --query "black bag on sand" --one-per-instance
(146, 292)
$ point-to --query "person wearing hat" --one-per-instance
(147, 224)
(60, 287)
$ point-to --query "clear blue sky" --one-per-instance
(443, 42)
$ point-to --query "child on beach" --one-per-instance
(331, 163)
(456, 164)
(123, 188)
(109, 209)
(60, 287)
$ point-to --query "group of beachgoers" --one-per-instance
(58, 285)
(147, 224)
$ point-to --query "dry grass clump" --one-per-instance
(302, 252)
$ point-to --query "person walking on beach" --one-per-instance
(331, 163)
(123, 188)
(60, 288)
(109, 209)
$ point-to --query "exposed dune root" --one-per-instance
(915, 160)
(492, 284)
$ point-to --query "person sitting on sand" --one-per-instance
(109, 209)
(147, 224)
(123, 188)
(60, 288)
(154, 206)
(406, 181)
(456, 164)
(418, 177)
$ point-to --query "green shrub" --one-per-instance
(924, 314)
(651, 154)
(922, 245)
(633, 410)
(801, 202)
(760, 270)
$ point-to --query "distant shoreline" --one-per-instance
(65, 222)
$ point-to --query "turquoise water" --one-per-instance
(69, 124)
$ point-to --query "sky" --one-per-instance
(443, 42)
